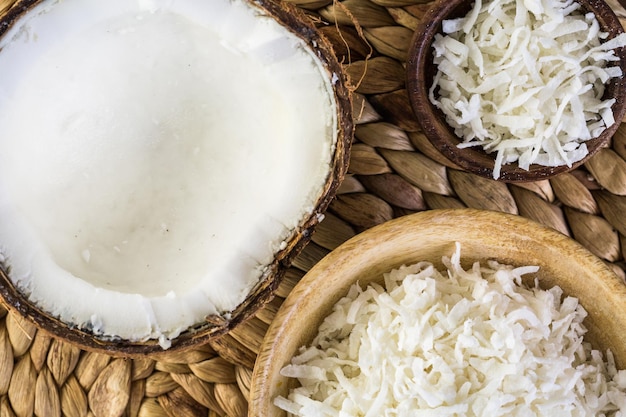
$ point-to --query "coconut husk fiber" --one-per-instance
(393, 171)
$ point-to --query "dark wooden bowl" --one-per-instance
(421, 70)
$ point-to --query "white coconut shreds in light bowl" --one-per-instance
(454, 342)
(444, 339)
(160, 162)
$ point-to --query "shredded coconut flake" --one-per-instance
(525, 79)
(471, 342)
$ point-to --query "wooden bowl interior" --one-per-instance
(421, 71)
(429, 236)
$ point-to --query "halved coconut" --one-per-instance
(161, 163)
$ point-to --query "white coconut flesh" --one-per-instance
(154, 156)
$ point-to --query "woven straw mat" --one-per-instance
(393, 171)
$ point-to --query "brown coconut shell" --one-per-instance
(215, 326)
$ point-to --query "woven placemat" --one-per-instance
(394, 171)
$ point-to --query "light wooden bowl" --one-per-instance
(421, 70)
(429, 236)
